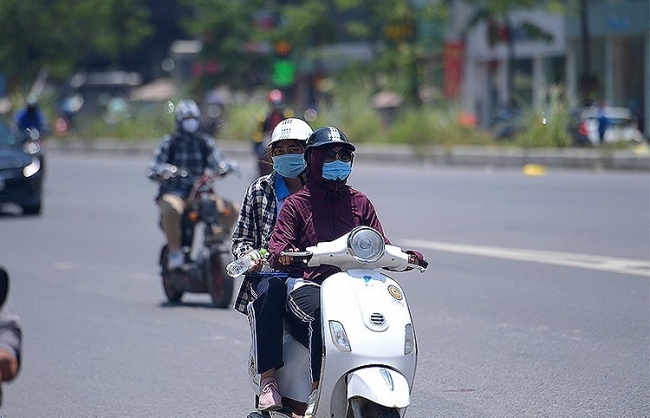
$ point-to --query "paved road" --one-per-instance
(536, 303)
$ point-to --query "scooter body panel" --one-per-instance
(380, 385)
(373, 311)
(293, 378)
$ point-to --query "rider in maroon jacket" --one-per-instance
(323, 210)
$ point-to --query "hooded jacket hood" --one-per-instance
(331, 190)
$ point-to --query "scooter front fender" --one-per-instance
(380, 385)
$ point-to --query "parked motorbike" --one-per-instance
(205, 241)
(370, 349)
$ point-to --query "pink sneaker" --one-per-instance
(270, 398)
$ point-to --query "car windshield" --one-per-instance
(621, 122)
(7, 138)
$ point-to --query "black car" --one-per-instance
(22, 166)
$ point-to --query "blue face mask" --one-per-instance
(336, 170)
(289, 165)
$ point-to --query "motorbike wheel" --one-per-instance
(372, 410)
(220, 285)
(173, 295)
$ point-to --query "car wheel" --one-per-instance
(32, 209)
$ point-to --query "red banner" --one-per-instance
(452, 62)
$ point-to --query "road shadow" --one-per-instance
(190, 304)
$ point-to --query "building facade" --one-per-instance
(547, 50)
(619, 34)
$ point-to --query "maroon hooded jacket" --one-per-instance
(322, 211)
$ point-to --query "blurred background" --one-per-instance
(439, 72)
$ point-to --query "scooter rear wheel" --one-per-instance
(220, 285)
(173, 295)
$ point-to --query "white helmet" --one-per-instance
(291, 128)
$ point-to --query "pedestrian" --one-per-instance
(603, 121)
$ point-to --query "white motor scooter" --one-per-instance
(370, 350)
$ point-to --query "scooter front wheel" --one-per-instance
(373, 410)
(173, 295)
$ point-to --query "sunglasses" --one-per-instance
(344, 155)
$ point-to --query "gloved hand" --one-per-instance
(168, 171)
(417, 259)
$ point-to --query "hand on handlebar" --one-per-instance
(284, 259)
(167, 171)
(422, 263)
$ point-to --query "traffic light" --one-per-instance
(284, 68)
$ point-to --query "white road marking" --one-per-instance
(584, 261)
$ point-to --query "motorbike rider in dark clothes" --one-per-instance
(11, 336)
(190, 149)
(264, 128)
(325, 209)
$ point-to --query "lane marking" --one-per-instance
(584, 261)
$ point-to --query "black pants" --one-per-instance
(300, 311)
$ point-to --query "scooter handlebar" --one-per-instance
(302, 256)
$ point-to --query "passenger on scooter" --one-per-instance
(325, 209)
(187, 148)
(260, 207)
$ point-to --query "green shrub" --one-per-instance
(434, 126)
(547, 129)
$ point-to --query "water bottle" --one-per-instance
(242, 264)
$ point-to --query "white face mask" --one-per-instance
(190, 125)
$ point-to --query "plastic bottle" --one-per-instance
(242, 264)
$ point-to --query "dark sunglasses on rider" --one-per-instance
(344, 155)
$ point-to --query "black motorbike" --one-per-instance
(206, 228)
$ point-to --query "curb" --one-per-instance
(634, 159)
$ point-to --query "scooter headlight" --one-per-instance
(409, 339)
(365, 244)
(339, 337)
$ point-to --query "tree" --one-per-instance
(496, 14)
(230, 33)
(59, 34)
(390, 23)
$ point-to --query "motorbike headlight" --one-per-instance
(365, 244)
(31, 147)
(339, 337)
(32, 168)
(409, 339)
